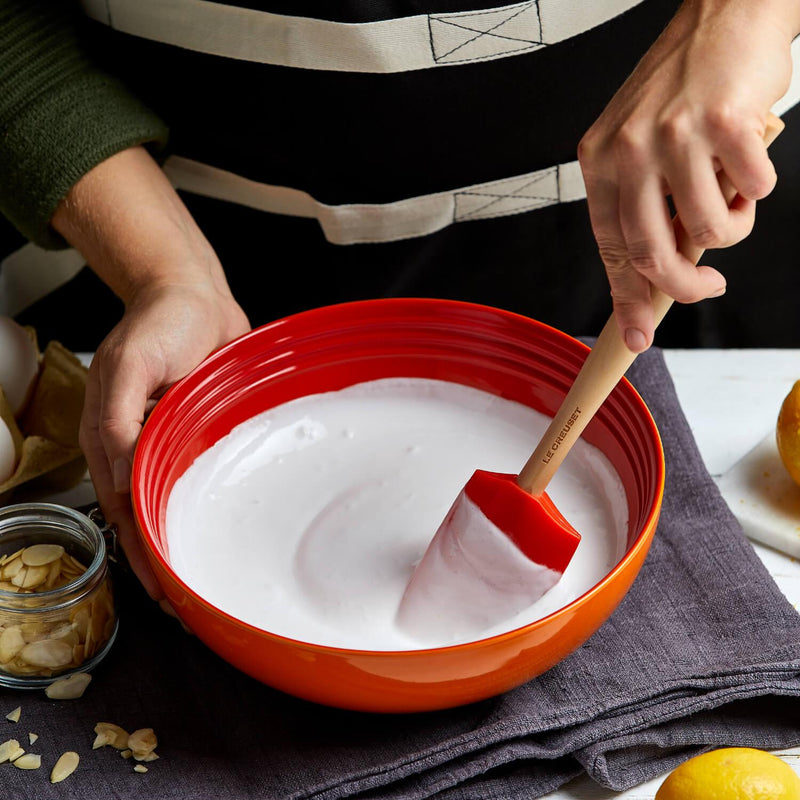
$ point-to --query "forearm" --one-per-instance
(718, 61)
(60, 113)
(136, 234)
(134, 230)
(783, 14)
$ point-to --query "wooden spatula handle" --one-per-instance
(605, 365)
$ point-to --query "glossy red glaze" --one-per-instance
(534, 524)
(333, 347)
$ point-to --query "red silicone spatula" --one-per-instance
(517, 505)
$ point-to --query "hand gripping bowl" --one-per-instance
(333, 347)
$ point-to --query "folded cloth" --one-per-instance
(704, 651)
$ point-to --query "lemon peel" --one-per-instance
(787, 432)
(732, 773)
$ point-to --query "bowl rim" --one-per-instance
(642, 540)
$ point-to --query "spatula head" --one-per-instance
(497, 552)
(533, 523)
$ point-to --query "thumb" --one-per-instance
(115, 505)
(122, 401)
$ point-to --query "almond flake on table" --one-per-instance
(65, 766)
(28, 761)
(7, 749)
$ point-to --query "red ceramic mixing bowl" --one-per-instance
(333, 347)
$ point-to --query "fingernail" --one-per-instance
(635, 340)
(122, 475)
(721, 291)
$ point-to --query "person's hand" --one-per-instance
(137, 235)
(165, 332)
(696, 105)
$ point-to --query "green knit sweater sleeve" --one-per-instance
(60, 115)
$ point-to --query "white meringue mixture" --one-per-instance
(308, 519)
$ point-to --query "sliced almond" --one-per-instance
(16, 754)
(35, 631)
(7, 748)
(47, 653)
(140, 768)
(88, 643)
(34, 577)
(18, 578)
(65, 766)
(97, 623)
(53, 574)
(102, 739)
(54, 644)
(11, 642)
(13, 716)
(76, 565)
(69, 688)
(80, 621)
(28, 761)
(18, 667)
(126, 753)
(11, 568)
(69, 637)
(142, 742)
(38, 555)
(32, 737)
(7, 559)
(109, 733)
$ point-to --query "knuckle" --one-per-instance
(110, 429)
(631, 144)
(644, 259)
(613, 254)
(588, 149)
(592, 155)
(626, 302)
(707, 234)
(677, 130)
(724, 122)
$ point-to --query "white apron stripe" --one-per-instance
(393, 45)
(415, 216)
(792, 96)
(31, 272)
(373, 222)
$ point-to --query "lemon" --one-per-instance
(732, 773)
(788, 432)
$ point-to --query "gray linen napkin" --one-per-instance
(704, 651)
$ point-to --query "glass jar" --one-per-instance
(57, 613)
